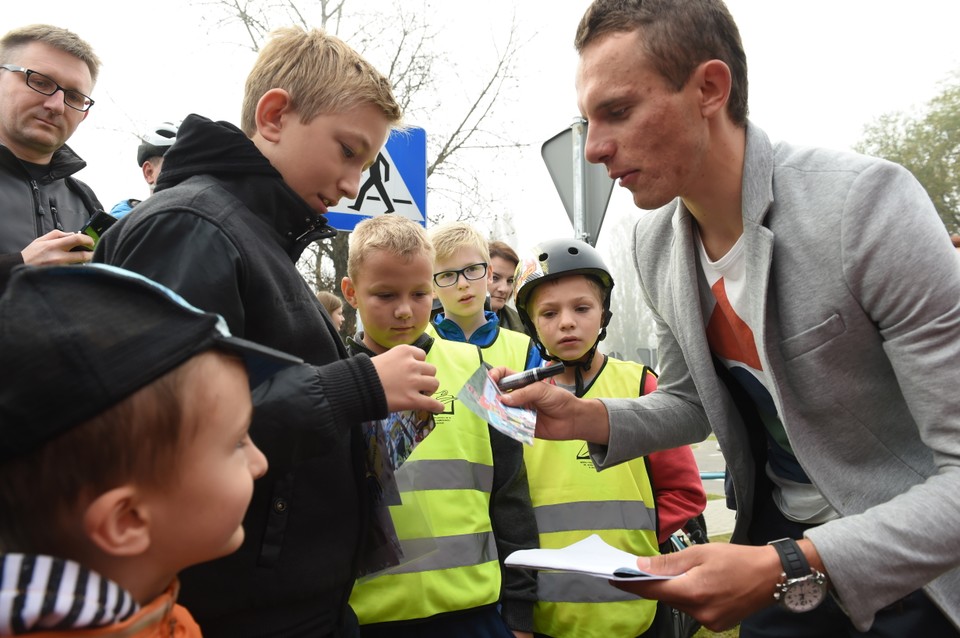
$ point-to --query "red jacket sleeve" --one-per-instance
(677, 489)
(675, 477)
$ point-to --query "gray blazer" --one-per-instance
(859, 315)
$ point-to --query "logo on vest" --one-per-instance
(583, 457)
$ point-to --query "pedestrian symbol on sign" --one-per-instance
(376, 180)
(395, 183)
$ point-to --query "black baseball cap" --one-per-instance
(76, 340)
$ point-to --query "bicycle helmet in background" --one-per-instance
(553, 259)
(156, 142)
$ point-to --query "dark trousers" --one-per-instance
(913, 615)
(477, 623)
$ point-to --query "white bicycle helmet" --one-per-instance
(156, 142)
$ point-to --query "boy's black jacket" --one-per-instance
(224, 230)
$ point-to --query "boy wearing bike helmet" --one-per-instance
(563, 298)
(153, 146)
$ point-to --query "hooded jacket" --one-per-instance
(224, 230)
(32, 207)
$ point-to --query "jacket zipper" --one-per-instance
(54, 215)
(38, 206)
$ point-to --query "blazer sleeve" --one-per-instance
(899, 264)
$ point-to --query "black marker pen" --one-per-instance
(519, 380)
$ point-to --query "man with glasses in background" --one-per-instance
(46, 76)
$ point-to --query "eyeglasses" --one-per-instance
(46, 86)
(449, 278)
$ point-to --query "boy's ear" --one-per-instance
(271, 109)
(150, 172)
(117, 522)
(349, 291)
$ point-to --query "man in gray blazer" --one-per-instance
(808, 312)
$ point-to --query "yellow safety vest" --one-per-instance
(445, 486)
(572, 500)
(509, 349)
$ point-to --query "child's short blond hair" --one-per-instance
(450, 237)
(322, 74)
(395, 234)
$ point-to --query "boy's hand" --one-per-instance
(560, 414)
(53, 249)
(408, 380)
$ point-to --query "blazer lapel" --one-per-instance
(757, 202)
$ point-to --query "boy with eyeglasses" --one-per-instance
(46, 76)
(461, 275)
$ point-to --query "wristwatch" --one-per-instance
(801, 588)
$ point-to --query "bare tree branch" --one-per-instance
(471, 122)
(404, 47)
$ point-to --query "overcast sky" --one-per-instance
(819, 70)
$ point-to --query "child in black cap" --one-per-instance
(124, 451)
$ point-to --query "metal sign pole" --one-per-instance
(584, 188)
(579, 129)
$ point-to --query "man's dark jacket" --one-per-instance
(224, 230)
(30, 208)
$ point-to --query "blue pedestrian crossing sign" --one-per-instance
(395, 183)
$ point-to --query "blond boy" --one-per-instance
(465, 478)
(232, 211)
(124, 450)
(462, 274)
(563, 297)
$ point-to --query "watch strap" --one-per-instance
(794, 563)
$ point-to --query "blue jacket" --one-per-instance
(483, 337)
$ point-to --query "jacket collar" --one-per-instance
(482, 336)
(220, 149)
(757, 186)
(64, 163)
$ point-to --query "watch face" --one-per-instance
(803, 594)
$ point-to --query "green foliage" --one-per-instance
(928, 144)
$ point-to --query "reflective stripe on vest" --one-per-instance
(578, 588)
(444, 523)
(441, 474)
(573, 500)
(448, 552)
(595, 516)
